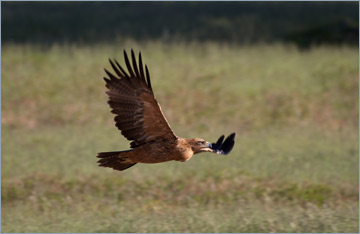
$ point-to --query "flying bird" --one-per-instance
(140, 119)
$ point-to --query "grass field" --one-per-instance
(294, 167)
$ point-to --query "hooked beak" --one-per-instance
(207, 148)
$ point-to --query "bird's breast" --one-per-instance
(184, 151)
(186, 155)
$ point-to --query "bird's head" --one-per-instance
(222, 147)
(199, 145)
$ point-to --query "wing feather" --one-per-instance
(148, 78)
(122, 70)
(142, 75)
(138, 114)
(117, 71)
(128, 65)
(135, 65)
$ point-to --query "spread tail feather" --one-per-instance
(116, 160)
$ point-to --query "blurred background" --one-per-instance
(283, 76)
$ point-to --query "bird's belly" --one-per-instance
(149, 158)
(152, 154)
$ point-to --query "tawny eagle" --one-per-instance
(141, 121)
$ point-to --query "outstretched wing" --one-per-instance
(138, 114)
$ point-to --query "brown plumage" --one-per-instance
(141, 121)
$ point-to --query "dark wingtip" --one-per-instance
(135, 66)
(141, 68)
(125, 55)
(128, 65)
(148, 78)
(111, 76)
(121, 69)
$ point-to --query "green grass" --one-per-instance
(294, 167)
